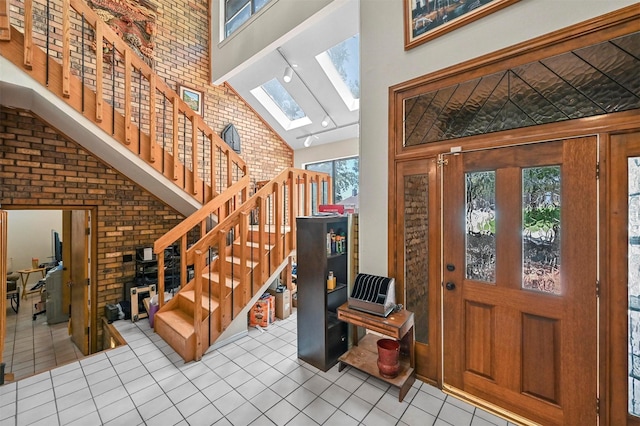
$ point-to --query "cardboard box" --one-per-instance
(283, 303)
(262, 313)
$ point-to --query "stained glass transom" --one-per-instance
(594, 80)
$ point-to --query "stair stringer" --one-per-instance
(211, 325)
(239, 324)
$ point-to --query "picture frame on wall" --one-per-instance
(425, 20)
(192, 97)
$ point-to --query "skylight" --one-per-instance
(341, 64)
(275, 98)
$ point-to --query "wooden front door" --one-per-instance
(624, 285)
(77, 223)
(519, 280)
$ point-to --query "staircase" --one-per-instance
(235, 243)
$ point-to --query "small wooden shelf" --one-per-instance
(364, 353)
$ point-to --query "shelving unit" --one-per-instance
(147, 269)
(322, 337)
(363, 355)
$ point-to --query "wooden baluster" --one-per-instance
(307, 195)
(293, 208)
(262, 218)
(222, 279)
(66, 50)
(197, 307)
(184, 276)
(194, 153)
(99, 71)
(213, 169)
(127, 97)
(152, 118)
(160, 287)
(278, 216)
(176, 122)
(28, 34)
(229, 166)
(244, 218)
(5, 21)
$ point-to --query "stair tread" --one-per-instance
(177, 320)
(191, 296)
(228, 281)
(236, 261)
(254, 244)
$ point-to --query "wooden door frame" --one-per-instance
(615, 329)
(93, 271)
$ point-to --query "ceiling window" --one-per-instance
(280, 104)
(341, 64)
(237, 12)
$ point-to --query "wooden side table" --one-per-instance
(24, 279)
(364, 354)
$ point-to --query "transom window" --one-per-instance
(237, 12)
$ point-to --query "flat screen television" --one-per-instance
(57, 246)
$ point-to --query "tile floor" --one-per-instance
(256, 380)
(34, 346)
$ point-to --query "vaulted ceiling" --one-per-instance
(310, 86)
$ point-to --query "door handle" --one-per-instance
(450, 286)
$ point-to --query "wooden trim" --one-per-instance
(601, 28)
(110, 331)
(465, 19)
(605, 27)
(66, 43)
(3, 273)
(5, 21)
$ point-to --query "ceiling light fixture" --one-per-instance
(307, 141)
(288, 74)
(325, 121)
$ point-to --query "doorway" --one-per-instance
(519, 284)
(40, 335)
(624, 259)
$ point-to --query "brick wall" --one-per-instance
(182, 57)
(39, 167)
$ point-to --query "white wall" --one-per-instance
(276, 22)
(385, 63)
(324, 152)
(29, 235)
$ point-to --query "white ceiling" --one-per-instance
(310, 86)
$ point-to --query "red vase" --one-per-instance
(388, 358)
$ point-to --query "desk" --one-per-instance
(364, 354)
(24, 278)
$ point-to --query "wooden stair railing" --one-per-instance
(233, 260)
(119, 93)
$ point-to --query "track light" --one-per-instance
(307, 141)
(288, 74)
(325, 121)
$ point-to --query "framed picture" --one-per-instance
(425, 20)
(192, 97)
